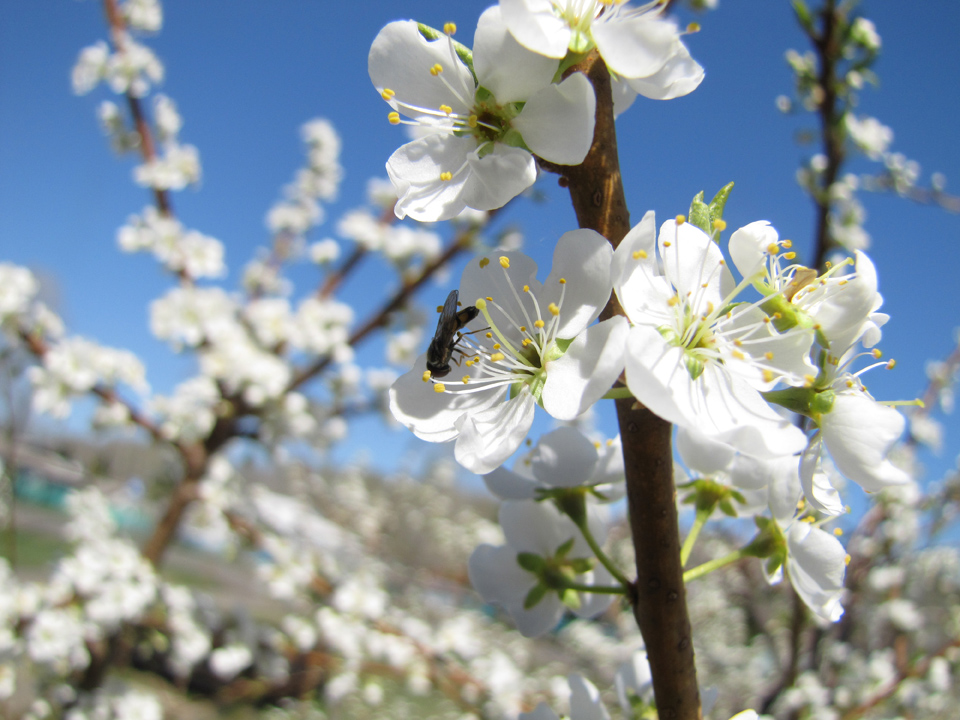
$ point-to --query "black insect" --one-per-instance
(452, 320)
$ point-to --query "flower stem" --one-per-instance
(599, 589)
(602, 556)
(698, 522)
(711, 565)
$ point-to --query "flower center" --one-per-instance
(517, 351)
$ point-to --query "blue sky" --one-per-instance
(247, 73)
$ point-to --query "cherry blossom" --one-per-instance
(641, 47)
(480, 134)
(538, 529)
(533, 345)
(692, 357)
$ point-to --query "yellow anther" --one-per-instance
(773, 249)
(446, 176)
(610, 442)
(850, 383)
(504, 262)
(681, 219)
(523, 328)
(719, 224)
(667, 243)
(554, 310)
(470, 363)
(693, 27)
(496, 357)
(436, 69)
(387, 94)
(828, 264)
(466, 379)
(891, 364)
(787, 243)
(488, 335)
(843, 282)
(427, 375)
(809, 380)
(484, 261)
(847, 559)
(439, 387)
(739, 355)
(723, 262)
(481, 305)
(809, 519)
(768, 355)
(768, 376)
(838, 531)
(446, 109)
(563, 281)
(394, 118)
(526, 288)
(876, 353)
(472, 121)
(526, 342)
(790, 255)
(766, 320)
(450, 28)
(496, 346)
(489, 299)
(673, 301)
(639, 254)
(777, 316)
(539, 324)
(596, 444)
(738, 342)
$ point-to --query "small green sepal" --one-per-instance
(536, 594)
(531, 562)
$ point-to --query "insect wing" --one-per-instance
(448, 323)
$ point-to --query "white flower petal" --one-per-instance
(694, 265)
(748, 247)
(592, 363)
(716, 403)
(535, 26)
(431, 415)
(636, 45)
(503, 66)
(508, 485)
(582, 258)
(816, 563)
(585, 703)
(817, 488)
(487, 438)
(563, 458)
(415, 168)
(859, 433)
(400, 60)
(679, 76)
(703, 454)
(497, 177)
(557, 122)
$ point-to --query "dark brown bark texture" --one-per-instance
(658, 598)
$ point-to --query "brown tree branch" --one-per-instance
(658, 597)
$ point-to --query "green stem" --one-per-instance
(599, 589)
(710, 566)
(699, 521)
(601, 555)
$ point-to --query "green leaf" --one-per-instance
(699, 215)
(719, 202)
(565, 548)
(804, 17)
(536, 594)
(531, 562)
